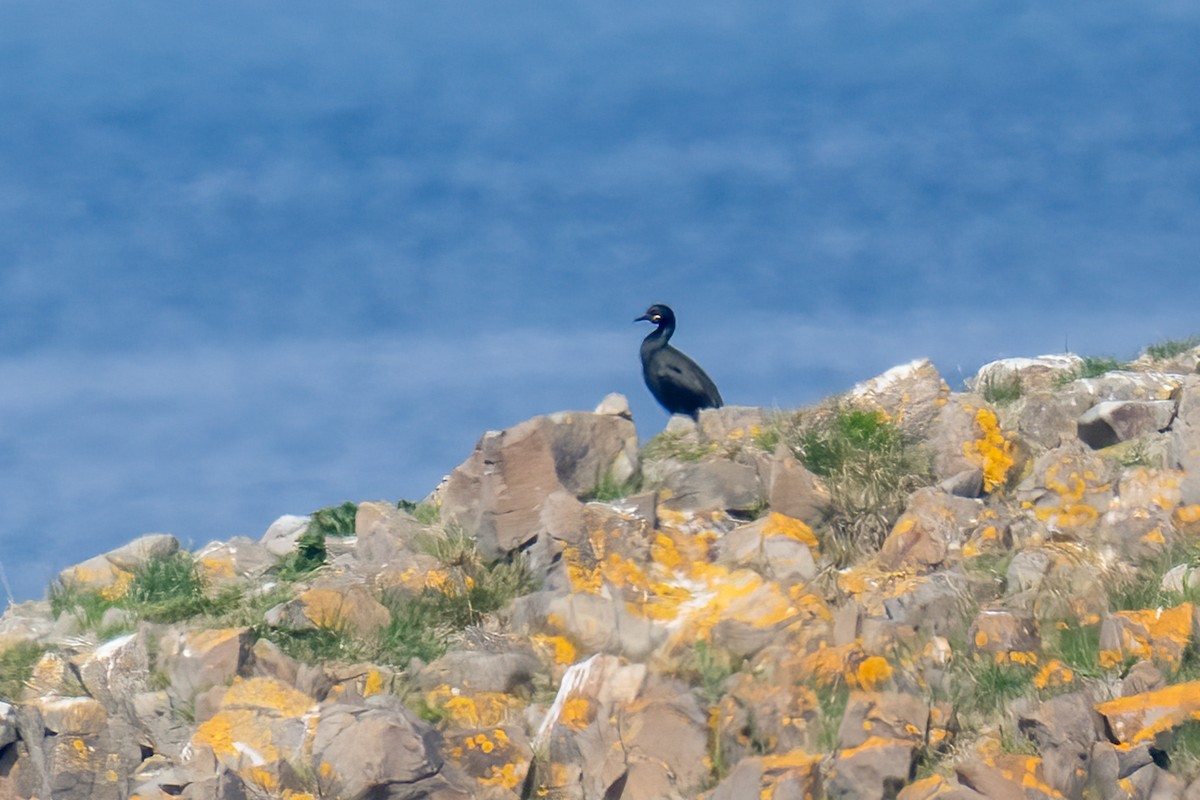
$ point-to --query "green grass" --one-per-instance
(421, 625)
(832, 701)
(870, 467)
(608, 488)
(1002, 390)
(676, 445)
(16, 667)
(1077, 646)
(1169, 348)
(334, 521)
(987, 687)
(423, 512)
(1184, 750)
(1142, 588)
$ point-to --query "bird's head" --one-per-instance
(658, 314)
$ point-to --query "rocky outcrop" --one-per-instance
(569, 616)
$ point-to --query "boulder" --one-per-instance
(709, 485)
(1114, 421)
(966, 437)
(378, 748)
(777, 547)
(911, 395)
(792, 775)
(524, 482)
(280, 538)
(1030, 374)
(930, 532)
(1064, 729)
(794, 491)
(240, 560)
(1162, 635)
(337, 604)
(198, 660)
(1005, 636)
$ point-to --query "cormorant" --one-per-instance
(676, 382)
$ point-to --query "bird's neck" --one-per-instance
(657, 338)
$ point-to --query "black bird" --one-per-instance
(677, 382)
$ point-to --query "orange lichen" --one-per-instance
(1142, 717)
(1054, 674)
(507, 776)
(781, 525)
(562, 650)
(873, 672)
(992, 451)
(577, 712)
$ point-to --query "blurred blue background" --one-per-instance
(262, 257)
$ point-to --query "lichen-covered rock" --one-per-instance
(794, 491)
(1005, 636)
(514, 489)
(1159, 634)
(378, 749)
(787, 775)
(280, 538)
(930, 532)
(874, 770)
(778, 547)
(911, 395)
(198, 660)
(1041, 372)
(967, 438)
(709, 485)
(1141, 718)
(238, 560)
(335, 605)
(1064, 728)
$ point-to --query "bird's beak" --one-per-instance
(643, 318)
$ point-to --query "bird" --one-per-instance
(677, 382)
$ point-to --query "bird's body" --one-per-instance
(677, 382)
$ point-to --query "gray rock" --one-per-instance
(729, 423)
(8, 724)
(196, 661)
(510, 491)
(1064, 728)
(876, 773)
(238, 560)
(794, 491)
(710, 485)
(766, 546)
(1114, 421)
(131, 556)
(1042, 372)
(280, 538)
(910, 394)
(1184, 450)
(377, 749)
(614, 404)
(1122, 385)
(384, 532)
(1046, 419)
(115, 672)
(481, 671)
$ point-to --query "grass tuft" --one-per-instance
(678, 445)
(424, 512)
(16, 667)
(1169, 348)
(870, 467)
(334, 521)
(1000, 390)
(608, 488)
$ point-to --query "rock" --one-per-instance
(502, 671)
(133, 556)
(1046, 419)
(258, 730)
(1184, 449)
(777, 547)
(890, 715)
(384, 533)
(115, 672)
(794, 491)
(700, 486)
(1005, 636)
(1142, 677)
(1031, 374)
(1009, 777)
(1141, 718)
(1161, 635)
(874, 770)
(280, 538)
(1069, 489)
(8, 724)
(1064, 728)
(1123, 385)
(338, 606)
(967, 436)
(930, 532)
(614, 404)
(912, 396)
(239, 560)
(791, 775)
(378, 749)
(510, 491)
(1108, 423)
(198, 660)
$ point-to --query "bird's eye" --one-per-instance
(655, 318)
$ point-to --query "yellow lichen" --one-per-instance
(577, 713)
(992, 451)
(873, 672)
